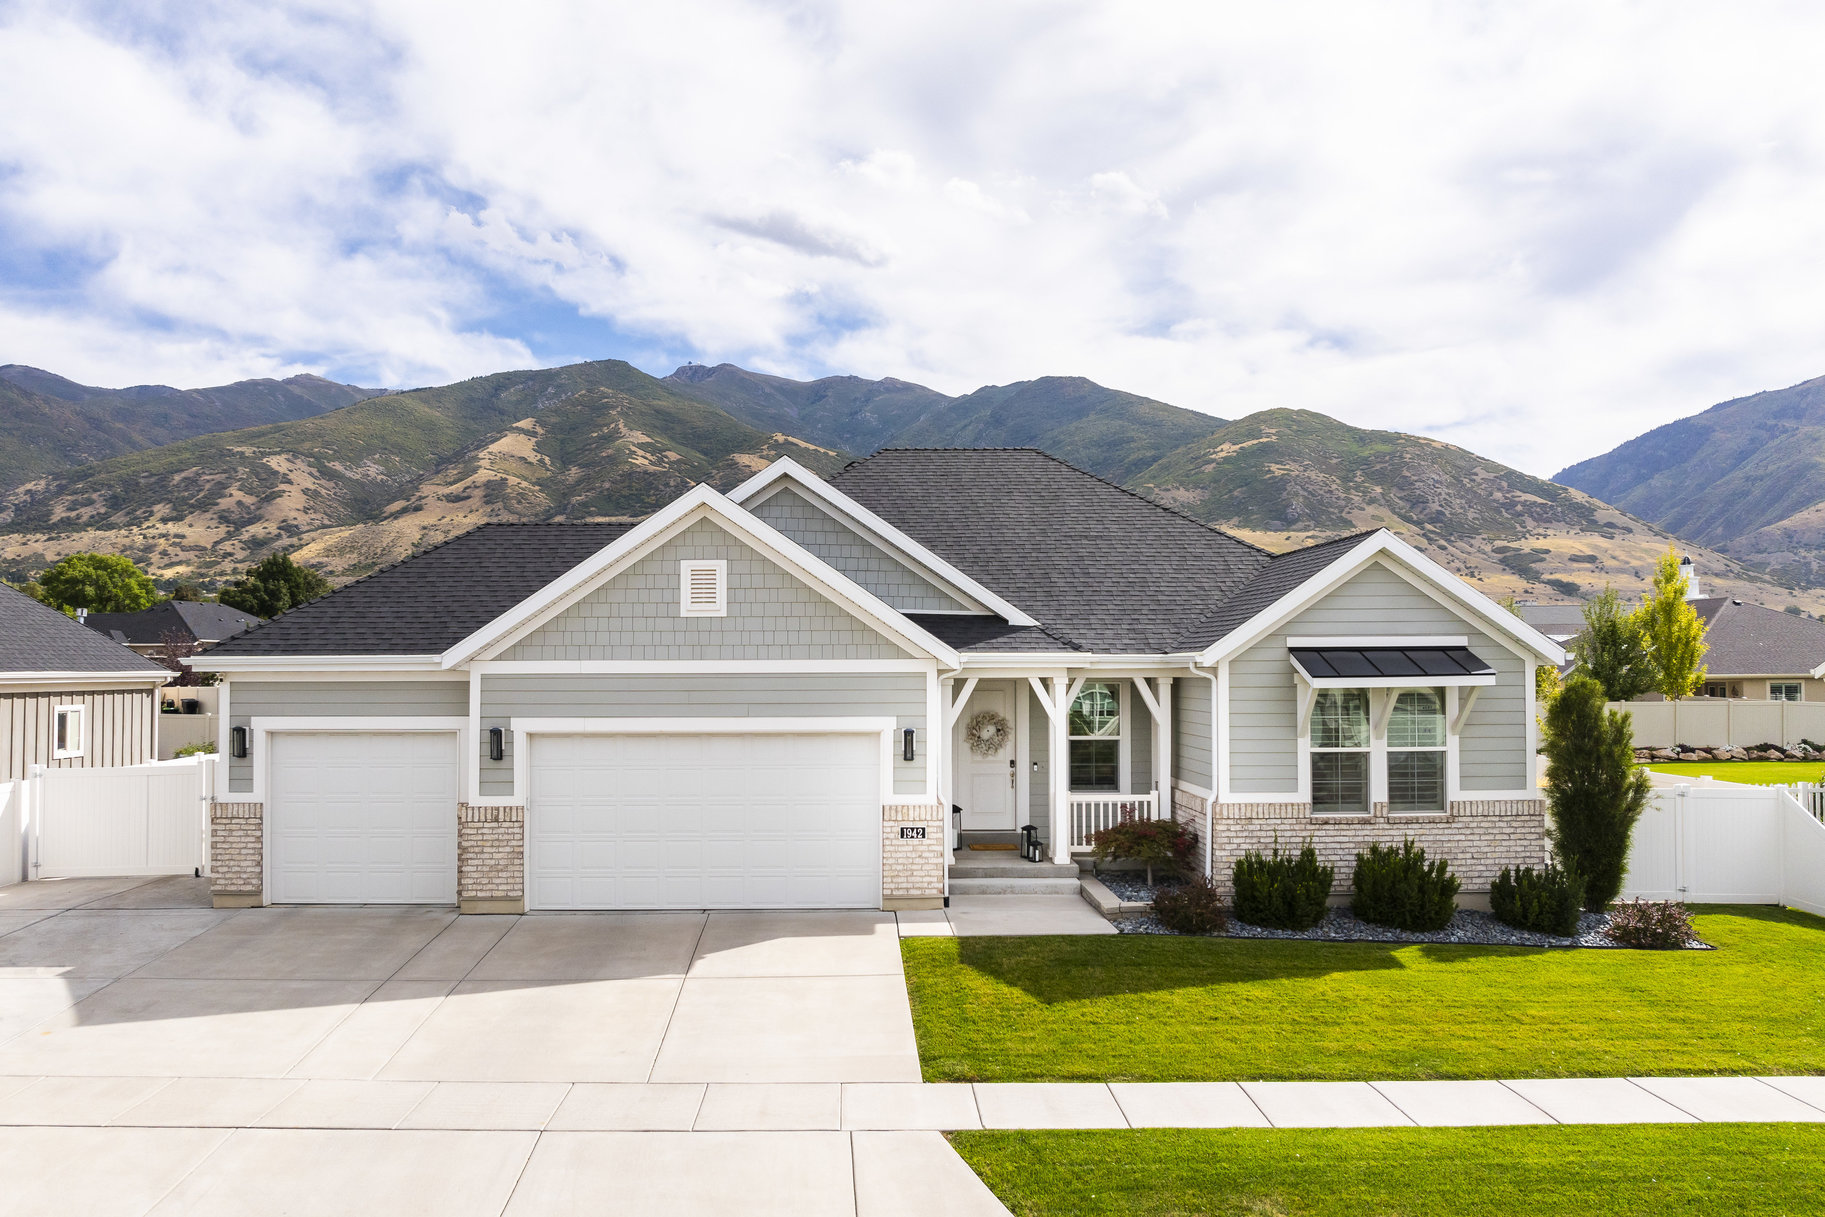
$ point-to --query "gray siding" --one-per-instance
(1191, 730)
(855, 555)
(899, 695)
(118, 729)
(1263, 709)
(772, 615)
(250, 699)
(1139, 728)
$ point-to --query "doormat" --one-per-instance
(997, 846)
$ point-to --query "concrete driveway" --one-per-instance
(159, 1055)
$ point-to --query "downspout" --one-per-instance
(1210, 814)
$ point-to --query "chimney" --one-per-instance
(82, 616)
(1691, 573)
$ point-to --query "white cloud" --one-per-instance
(1533, 230)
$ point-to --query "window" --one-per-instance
(703, 589)
(66, 729)
(1416, 751)
(1783, 690)
(1716, 690)
(1095, 728)
(1340, 753)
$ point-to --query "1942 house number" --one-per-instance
(912, 832)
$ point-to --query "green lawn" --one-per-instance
(1742, 1170)
(1144, 1008)
(1749, 773)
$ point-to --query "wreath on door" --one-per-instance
(988, 732)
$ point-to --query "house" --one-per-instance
(1761, 654)
(773, 698)
(191, 623)
(70, 698)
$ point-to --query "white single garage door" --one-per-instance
(362, 818)
(704, 821)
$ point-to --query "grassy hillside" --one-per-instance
(1288, 477)
(842, 412)
(370, 483)
(1746, 476)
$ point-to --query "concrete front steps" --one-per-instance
(1007, 874)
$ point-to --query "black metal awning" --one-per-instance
(1383, 665)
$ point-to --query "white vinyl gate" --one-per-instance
(1728, 844)
(150, 819)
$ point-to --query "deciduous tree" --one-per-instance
(1674, 636)
(101, 583)
(276, 585)
(1612, 650)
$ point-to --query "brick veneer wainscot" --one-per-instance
(912, 872)
(491, 859)
(1478, 837)
(236, 853)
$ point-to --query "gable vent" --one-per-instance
(703, 589)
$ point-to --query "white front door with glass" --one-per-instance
(988, 759)
(1378, 746)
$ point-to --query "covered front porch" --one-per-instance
(1068, 751)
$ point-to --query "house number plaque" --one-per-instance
(912, 832)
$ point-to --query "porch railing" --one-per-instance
(1811, 796)
(1091, 813)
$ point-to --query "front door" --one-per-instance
(986, 773)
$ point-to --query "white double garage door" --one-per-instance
(700, 821)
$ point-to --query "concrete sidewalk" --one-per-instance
(383, 1105)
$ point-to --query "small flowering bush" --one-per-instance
(1661, 925)
(1164, 843)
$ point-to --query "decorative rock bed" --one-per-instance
(1468, 927)
(1803, 751)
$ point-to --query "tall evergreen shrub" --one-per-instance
(1593, 788)
(1399, 888)
(1284, 892)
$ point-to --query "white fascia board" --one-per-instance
(830, 496)
(64, 680)
(1045, 663)
(700, 502)
(1355, 641)
(250, 664)
(1818, 673)
(1382, 542)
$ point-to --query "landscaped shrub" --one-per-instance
(1163, 843)
(1658, 924)
(1284, 892)
(1192, 908)
(1545, 901)
(1398, 887)
(1593, 788)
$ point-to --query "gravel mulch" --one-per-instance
(1468, 927)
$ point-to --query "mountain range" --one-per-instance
(355, 486)
(1746, 477)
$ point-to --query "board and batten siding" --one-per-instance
(119, 728)
(1191, 731)
(251, 699)
(855, 555)
(896, 695)
(772, 614)
(1263, 750)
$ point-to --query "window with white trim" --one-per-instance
(1416, 751)
(1783, 690)
(703, 588)
(1095, 729)
(66, 732)
(1340, 752)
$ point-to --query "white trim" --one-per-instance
(834, 498)
(1385, 682)
(1209, 796)
(1349, 641)
(70, 711)
(693, 667)
(701, 502)
(688, 571)
(934, 715)
(1382, 542)
(1466, 703)
(15, 681)
(1818, 673)
(350, 675)
(1219, 727)
(222, 722)
(1007, 663)
(316, 663)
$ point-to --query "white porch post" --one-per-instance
(1162, 733)
(940, 742)
(1060, 769)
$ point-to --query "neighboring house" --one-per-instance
(70, 698)
(772, 698)
(185, 621)
(1760, 654)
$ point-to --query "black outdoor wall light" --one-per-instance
(237, 742)
(906, 747)
(494, 743)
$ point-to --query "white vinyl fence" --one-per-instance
(12, 832)
(1729, 845)
(1717, 722)
(150, 819)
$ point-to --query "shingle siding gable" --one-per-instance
(854, 555)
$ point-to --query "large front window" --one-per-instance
(1343, 750)
(1095, 725)
(1340, 753)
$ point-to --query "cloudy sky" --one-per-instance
(1531, 229)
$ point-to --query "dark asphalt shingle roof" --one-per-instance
(429, 602)
(1096, 565)
(192, 620)
(976, 633)
(37, 638)
(1750, 640)
(1274, 579)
